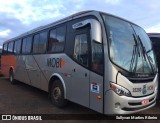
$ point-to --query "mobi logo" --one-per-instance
(55, 62)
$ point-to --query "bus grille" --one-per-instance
(141, 80)
(139, 103)
(134, 109)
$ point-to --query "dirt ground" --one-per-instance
(24, 99)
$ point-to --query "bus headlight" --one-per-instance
(121, 91)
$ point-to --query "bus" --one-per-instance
(155, 38)
(91, 58)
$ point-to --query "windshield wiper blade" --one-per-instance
(133, 58)
(135, 55)
(145, 53)
(149, 50)
(142, 47)
(137, 46)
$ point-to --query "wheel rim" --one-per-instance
(56, 93)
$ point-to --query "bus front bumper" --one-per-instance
(115, 104)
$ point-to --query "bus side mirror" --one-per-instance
(96, 33)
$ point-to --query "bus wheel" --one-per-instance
(11, 77)
(57, 94)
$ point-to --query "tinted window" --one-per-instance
(52, 40)
(24, 45)
(155, 39)
(42, 43)
(40, 40)
(35, 44)
(57, 39)
(27, 43)
(17, 47)
(81, 49)
(5, 47)
(97, 57)
(60, 39)
(10, 47)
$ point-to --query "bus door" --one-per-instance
(87, 73)
(79, 81)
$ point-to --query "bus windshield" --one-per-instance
(129, 46)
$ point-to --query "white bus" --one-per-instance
(92, 58)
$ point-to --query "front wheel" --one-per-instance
(57, 94)
(11, 77)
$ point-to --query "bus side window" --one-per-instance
(10, 47)
(52, 40)
(29, 44)
(60, 39)
(42, 42)
(39, 43)
(24, 45)
(57, 39)
(5, 47)
(36, 43)
(97, 57)
(17, 47)
(81, 49)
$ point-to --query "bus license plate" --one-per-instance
(145, 102)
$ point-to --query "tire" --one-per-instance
(57, 94)
(11, 77)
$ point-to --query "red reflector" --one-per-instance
(113, 87)
(145, 102)
(98, 97)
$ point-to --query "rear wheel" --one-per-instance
(57, 94)
(11, 77)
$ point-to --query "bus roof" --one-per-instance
(156, 35)
(71, 17)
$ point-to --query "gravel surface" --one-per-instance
(24, 99)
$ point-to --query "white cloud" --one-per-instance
(18, 16)
(113, 1)
(155, 28)
(5, 33)
(28, 11)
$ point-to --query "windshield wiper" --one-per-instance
(145, 53)
(135, 55)
(149, 50)
(133, 58)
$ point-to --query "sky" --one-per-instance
(19, 16)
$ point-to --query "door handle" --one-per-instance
(74, 70)
(31, 69)
(85, 74)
